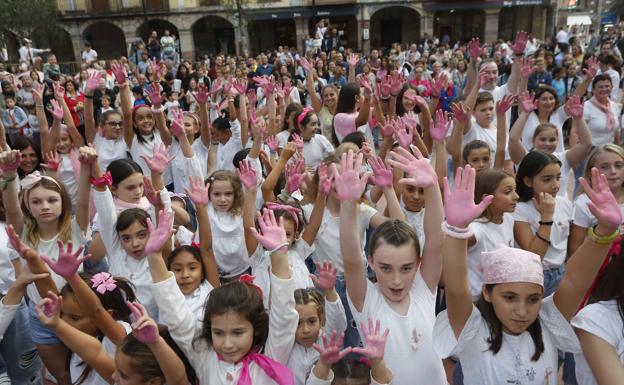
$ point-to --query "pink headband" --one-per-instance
(33, 178)
(135, 108)
(508, 264)
(293, 211)
(303, 114)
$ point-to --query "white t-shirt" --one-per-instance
(512, 364)
(602, 319)
(196, 301)
(488, 135)
(582, 217)
(409, 348)
(559, 231)
(226, 152)
(282, 138)
(327, 242)
(489, 236)
(557, 118)
(145, 148)
(497, 93)
(565, 173)
(597, 123)
(416, 222)
(228, 242)
(89, 56)
(68, 178)
(316, 149)
(201, 153)
(182, 168)
(109, 150)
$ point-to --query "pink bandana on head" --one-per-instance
(275, 370)
(508, 264)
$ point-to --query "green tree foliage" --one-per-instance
(22, 17)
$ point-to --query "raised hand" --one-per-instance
(159, 160)
(247, 174)
(520, 43)
(440, 128)
(527, 102)
(365, 84)
(120, 74)
(59, 91)
(349, 184)
(305, 64)
(252, 98)
(156, 70)
(294, 176)
(272, 142)
(217, 85)
(592, 68)
(240, 85)
(177, 123)
(459, 205)
(352, 60)
(68, 262)
(16, 243)
(417, 167)
(575, 107)
(10, 161)
(603, 204)
(326, 279)
(387, 130)
(396, 82)
(272, 234)
(325, 180)
(53, 161)
(154, 94)
(403, 134)
(148, 191)
(93, 79)
(382, 174)
(375, 343)
(198, 194)
(503, 105)
(87, 155)
(410, 119)
(49, 310)
(160, 235)
(297, 140)
(461, 112)
(332, 351)
(56, 110)
(385, 88)
(144, 328)
(286, 88)
(439, 84)
(475, 49)
(37, 92)
(526, 68)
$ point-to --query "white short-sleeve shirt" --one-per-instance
(597, 123)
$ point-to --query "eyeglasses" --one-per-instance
(114, 124)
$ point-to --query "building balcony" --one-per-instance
(99, 7)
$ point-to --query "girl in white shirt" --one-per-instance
(609, 160)
(600, 327)
(315, 147)
(403, 299)
(542, 217)
(511, 335)
(225, 350)
(289, 114)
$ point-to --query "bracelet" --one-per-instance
(454, 232)
(5, 180)
(542, 238)
(88, 96)
(105, 179)
(39, 105)
(604, 240)
(158, 110)
(285, 244)
(546, 223)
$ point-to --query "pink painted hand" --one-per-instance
(382, 174)
(417, 167)
(56, 110)
(159, 160)
(603, 204)
(272, 142)
(144, 328)
(229, 83)
(68, 262)
(459, 205)
(403, 134)
(575, 107)
(160, 235)
(440, 128)
(504, 104)
(410, 119)
(148, 191)
(198, 194)
(217, 85)
(287, 88)
(365, 84)
(252, 98)
(272, 233)
(37, 92)
(348, 182)
(461, 112)
(49, 310)
(16, 243)
(120, 74)
(93, 79)
(53, 161)
(474, 49)
(352, 60)
(154, 94)
(325, 180)
(526, 68)
(156, 68)
(59, 91)
(332, 351)
(396, 83)
(592, 68)
(520, 43)
(326, 279)
(305, 64)
(87, 155)
(298, 141)
(247, 174)
(375, 342)
(177, 123)
(387, 130)
(527, 102)
(439, 84)
(385, 88)
(10, 161)
(240, 85)
(295, 176)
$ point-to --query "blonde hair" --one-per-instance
(64, 224)
(591, 160)
(228, 176)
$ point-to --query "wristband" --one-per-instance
(104, 180)
(158, 110)
(542, 238)
(546, 223)
(285, 244)
(454, 232)
(605, 240)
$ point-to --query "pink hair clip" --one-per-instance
(248, 280)
(103, 282)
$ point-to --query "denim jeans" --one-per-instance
(552, 277)
(20, 355)
(352, 337)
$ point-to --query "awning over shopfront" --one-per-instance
(579, 20)
(321, 12)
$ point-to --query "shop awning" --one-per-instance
(579, 20)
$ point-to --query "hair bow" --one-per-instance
(248, 280)
(294, 211)
(32, 179)
(103, 282)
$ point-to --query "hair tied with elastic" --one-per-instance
(303, 115)
(248, 280)
(103, 282)
(293, 211)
